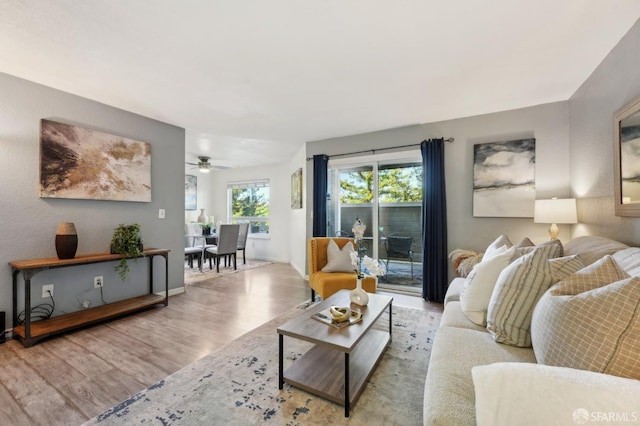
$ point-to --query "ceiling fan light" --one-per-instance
(203, 167)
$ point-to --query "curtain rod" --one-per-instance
(373, 151)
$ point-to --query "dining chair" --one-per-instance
(242, 240)
(227, 245)
(191, 249)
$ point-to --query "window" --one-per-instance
(249, 202)
(385, 193)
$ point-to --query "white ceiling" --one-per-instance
(252, 80)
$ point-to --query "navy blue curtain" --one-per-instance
(434, 221)
(320, 163)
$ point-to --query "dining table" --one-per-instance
(208, 240)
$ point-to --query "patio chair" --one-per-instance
(399, 246)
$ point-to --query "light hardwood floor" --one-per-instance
(70, 378)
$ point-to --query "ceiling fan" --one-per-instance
(203, 164)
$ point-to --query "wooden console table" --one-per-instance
(31, 332)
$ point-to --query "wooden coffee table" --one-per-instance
(340, 362)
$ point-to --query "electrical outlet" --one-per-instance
(46, 289)
(98, 282)
(86, 304)
(161, 214)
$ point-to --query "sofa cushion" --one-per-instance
(448, 395)
(518, 289)
(592, 248)
(629, 260)
(480, 282)
(454, 317)
(453, 291)
(339, 259)
(521, 393)
(591, 321)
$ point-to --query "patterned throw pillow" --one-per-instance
(339, 260)
(591, 321)
(518, 289)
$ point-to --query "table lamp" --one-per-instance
(555, 211)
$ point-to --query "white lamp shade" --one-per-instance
(556, 211)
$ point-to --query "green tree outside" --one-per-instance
(250, 202)
(396, 185)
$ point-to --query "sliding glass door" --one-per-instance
(386, 195)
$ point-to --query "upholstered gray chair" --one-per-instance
(227, 245)
(242, 240)
(191, 249)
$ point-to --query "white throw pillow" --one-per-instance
(339, 260)
(497, 244)
(478, 286)
(523, 393)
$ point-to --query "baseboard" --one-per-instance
(172, 291)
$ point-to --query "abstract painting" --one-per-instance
(296, 189)
(504, 178)
(190, 192)
(86, 164)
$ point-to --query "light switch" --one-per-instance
(161, 214)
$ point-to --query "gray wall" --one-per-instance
(548, 124)
(614, 82)
(29, 223)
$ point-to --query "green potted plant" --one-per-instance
(206, 228)
(126, 241)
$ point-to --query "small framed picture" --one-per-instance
(296, 189)
(190, 192)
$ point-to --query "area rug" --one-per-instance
(238, 384)
(193, 275)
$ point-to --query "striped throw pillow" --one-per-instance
(518, 289)
(591, 321)
(562, 267)
(556, 249)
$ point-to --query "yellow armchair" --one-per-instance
(327, 283)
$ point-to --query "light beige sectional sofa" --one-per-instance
(472, 379)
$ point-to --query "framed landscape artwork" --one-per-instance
(504, 178)
(86, 164)
(190, 192)
(296, 189)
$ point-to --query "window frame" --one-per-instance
(252, 183)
